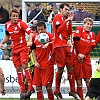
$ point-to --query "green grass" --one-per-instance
(31, 99)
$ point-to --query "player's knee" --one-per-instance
(49, 88)
(79, 82)
(70, 69)
(25, 66)
(38, 88)
(60, 70)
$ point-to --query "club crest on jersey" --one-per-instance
(88, 37)
(15, 28)
(77, 31)
(57, 22)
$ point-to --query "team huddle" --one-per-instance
(49, 49)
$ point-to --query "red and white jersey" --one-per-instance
(17, 33)
(44, 55)
(87, 39)
(61, 30)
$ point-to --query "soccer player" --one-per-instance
(62, 29)
(2, 88)
(83, 40)
(16, 30)
(94, 90)
(44, 69)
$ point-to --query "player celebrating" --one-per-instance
(43, 70)
(62, 29)
(16, 30)
(83, 40)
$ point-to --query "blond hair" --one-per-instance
(88, 19)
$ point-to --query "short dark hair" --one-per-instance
(41, 23)
(14, 10)
(63, 4)
(34, 28)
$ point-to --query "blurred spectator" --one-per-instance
(58, 7)
(18, 6)
(51, 12)
(80, 13)
(7, 52)
(28, 11)
(71, 7)
(97, 16)
(36, 11)
(4, 15)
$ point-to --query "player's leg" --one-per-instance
(79, 88)
(60, 62)
(47, 81)
(58, 82)
(87, 81)
(19, 70)
(78, 72)
(24, 56)
(39, 93)
(71, 78)
(2, 90)
(50, 92)
(26, 83)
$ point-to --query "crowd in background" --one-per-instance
(62, 56)
(50, 9)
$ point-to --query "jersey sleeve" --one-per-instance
(6, 31)
(76, 38)
(98, 38)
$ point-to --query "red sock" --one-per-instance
(21, 81)
(58, 81)
(71, 79)
(80, 92)
(51, 95)
(40, 95)
(29, 78)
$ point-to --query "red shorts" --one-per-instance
(82, 70)
(43, 77)
(62, 56)
(20, 57)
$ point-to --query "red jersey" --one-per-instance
(61, 31)
(87, 39)
(17, 33)
(44, 56)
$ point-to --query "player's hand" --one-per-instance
(37, 64)
(29, 44)
(70, 17)
(3, 91)
(45, 45)
(81, 57)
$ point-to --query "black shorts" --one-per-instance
(94, 90)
